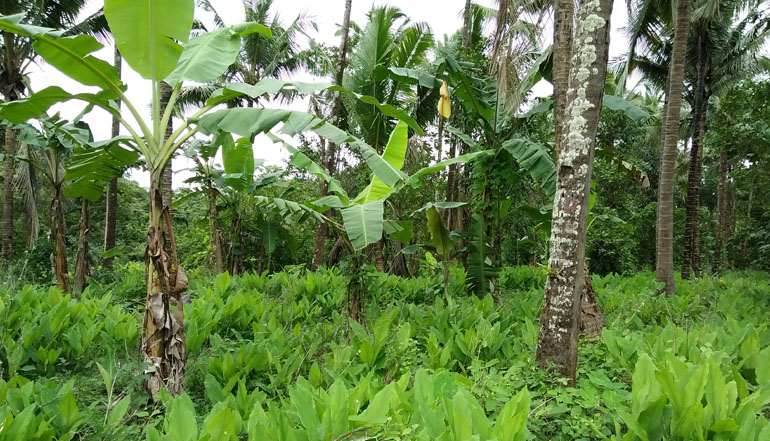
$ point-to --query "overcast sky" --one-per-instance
(443, 16)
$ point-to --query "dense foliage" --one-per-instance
(271, 357)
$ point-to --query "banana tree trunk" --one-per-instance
(10, 151)
(691, 258)
(379, 260)
(664, 249)
(163, 337)
(236, 250)
(558, 336)
(111, 210)
(60, 250)
(82, 263)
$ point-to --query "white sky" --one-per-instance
(443, 16)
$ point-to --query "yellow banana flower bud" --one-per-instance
(444, 103)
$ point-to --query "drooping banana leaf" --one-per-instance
(395, 155)
(536, 160)
(364, 223)
(92, 166)
(480, 269)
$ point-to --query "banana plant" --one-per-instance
(154, 39)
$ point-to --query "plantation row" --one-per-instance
(276, 358)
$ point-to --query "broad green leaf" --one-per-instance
(337, 410)
(220, 425)
(511, 424)
(208, 55)
(180, 421)
(68, 410)
(269, 235)
(36, 105)
(480, 270)
(439, 235)
(631, 110)
(363, 223)
(303, 162)
(395, 155)
(119, 411)
(536, 160)
(248, 122)
(414, 76)
(147, 33)
(399, 230)
(91, 167)
(238, 160)
(70, 55)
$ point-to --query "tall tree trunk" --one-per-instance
(558, 336)
(215, 231)
(60, 250)
(691, 258)
(10, 151)
(236, 250)
(664, 262)
(330, 152)
(722, 219)
(562, 56)
(82, 263)
(111, 211)
(163, 337)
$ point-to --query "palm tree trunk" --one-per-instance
(559, 320)
(215, 232)
(691, 258)
(163, 337)
(82, 263)
(562, 56)
(60, 251)
(330, 152)
(722, 217)
(111, 210)
(10, 151)
(664, 266)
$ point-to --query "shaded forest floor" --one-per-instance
(275, 357)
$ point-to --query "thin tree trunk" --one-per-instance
(215, 232)
(664, 266)
(60, 250)
(559, 320)
(10, 151)
(163, 337)
(111, 210)
(330, 152)
(379, 260)
(82, 262)
(591, 316)
(691, 258)
(722, 221)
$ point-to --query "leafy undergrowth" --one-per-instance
(275, 358)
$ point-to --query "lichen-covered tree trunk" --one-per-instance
(163, 337)
(60, 250)
(10, 151)
(664, 249)
(691, 257)
(111, 209)
(82, 262)
(562, 55)
(330, 152)
(557, 339)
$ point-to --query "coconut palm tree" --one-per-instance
(387, 41)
